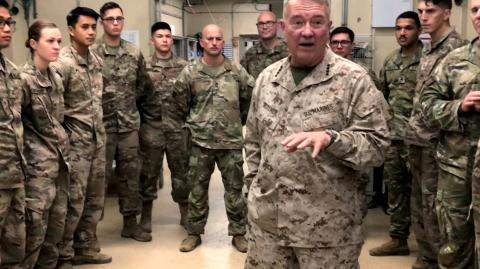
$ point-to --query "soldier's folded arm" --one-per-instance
(438, 108)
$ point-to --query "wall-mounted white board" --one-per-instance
(384, 12)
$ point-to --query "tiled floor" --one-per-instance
(216, 251)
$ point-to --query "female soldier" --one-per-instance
(46, 144)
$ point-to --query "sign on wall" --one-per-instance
(384, 12)
(132, 36)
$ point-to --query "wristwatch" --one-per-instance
(333, 136)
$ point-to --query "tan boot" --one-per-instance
(146, 219)
(240, 243)
(132, 230)
(394, 247)
(190, 243)
(90, 257)
(64, 265)
(183, 213)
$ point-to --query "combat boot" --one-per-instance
(421, 263)
(146, 219)
(90, 257)
(240, 243)
(190, 242)
(132, 230)
(183, 213)
(64, 265)
(395, 247)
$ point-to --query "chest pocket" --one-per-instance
(321, 117)
(41, 107)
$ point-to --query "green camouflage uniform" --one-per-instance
(453, 79)
(476, 203)
(125, 76)
(422, 140)
(83, 83)
(12, 165)
(299, 205)
(161, 131)
(258, 57)
(46, 149)
(215, 102)
(398, 79)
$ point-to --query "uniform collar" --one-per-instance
(103, 47)
(43, 81)
(474, 54)
(415, 58)
(322, 72)
(279, 48)
(435, 45)
(157, 62)
(80, 60)
(226, 65)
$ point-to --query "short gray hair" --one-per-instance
(321, 2)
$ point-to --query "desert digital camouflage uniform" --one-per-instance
(422, 140)
(125, 76)
(398, 79)
(162, 131)
(258, 57)
(83, 83)
(46, 149)
(370, 71)
(12, 165)
(298, 204)
(453, 79)
(215, 102)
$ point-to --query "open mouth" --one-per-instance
(306, 44)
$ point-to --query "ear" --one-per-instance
(282, 24)
(151, 41)
(446, 14)
(201, 43)
(70, 30)
(33, 44)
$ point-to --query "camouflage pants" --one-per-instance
(86, 197)
(154, 143)
(264, 252)
(476, 204)
(124, 149)
(201, 165)
(399, 181)
(454, 201)
(12, 223)
(46, 209)
(424, 190)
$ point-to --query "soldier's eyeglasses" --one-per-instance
(342, 43)
(113, 19)
(10, 22)
(267, 24)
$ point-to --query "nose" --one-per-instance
(307, 30)
(7, 28)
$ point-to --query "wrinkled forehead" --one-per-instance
(212, 32)
(321, 7)
(267, 16)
